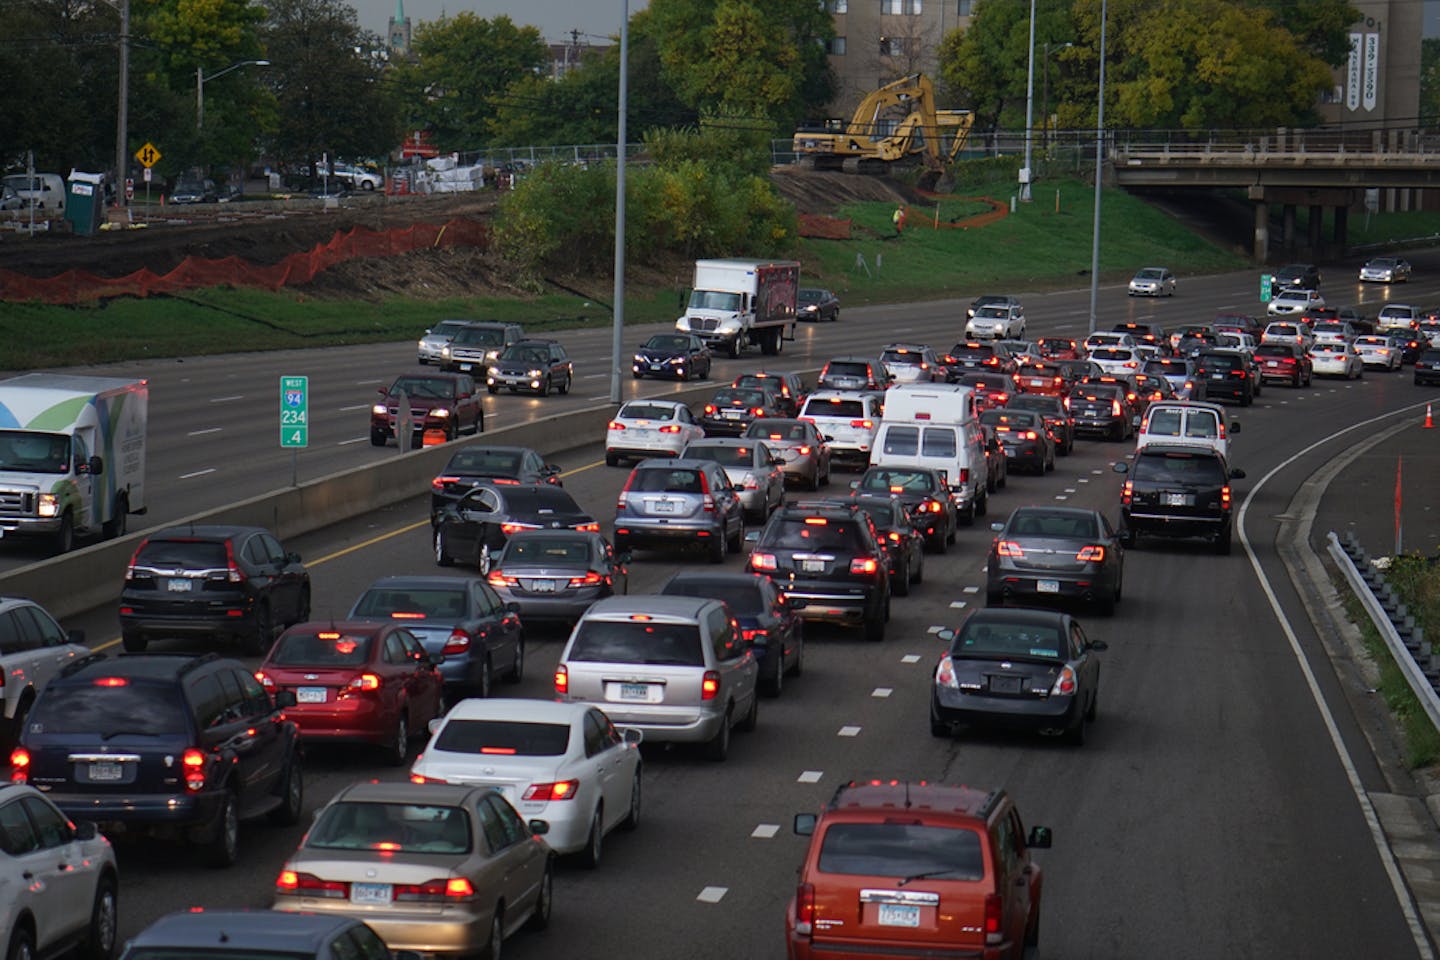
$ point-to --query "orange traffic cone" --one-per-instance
(1429, 420)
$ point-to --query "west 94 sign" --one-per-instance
(294, 411)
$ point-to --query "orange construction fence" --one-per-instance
(77, 286)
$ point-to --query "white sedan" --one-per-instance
(650, 428)
(1329, 358)
(1294, 301)
(564, 763)
(1381, 352)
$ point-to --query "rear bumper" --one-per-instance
(666, 535)
(1049, 714)
(675, 725)
(219, 624)
(804, 946)
(140, 810)
(446, 931)
(1025, 586)
(833, 603)
(1161, 525)
(566, 608)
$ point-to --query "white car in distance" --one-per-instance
(650, 428)
(1295, 300)
(995, 322)
(1381, 352)
(1329, 358)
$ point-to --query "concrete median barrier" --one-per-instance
(91, 577)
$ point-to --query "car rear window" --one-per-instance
(1037, 402)
(1214, 364)
(755, 381)
(664, 341)
(888, 480)
(882, 512)
(773, 430)
(903, 357)
(321, 649)
(1173, 368)
(811, 533)
(1005, 417)
(666, 480)
(541, 550)
(391, 827)
(834, 407)
(847, 368)
(901, 850)
(744, 599)
(739, 398)
(1112, 353)
(1430, 356)
(931, 442)
(1178, 468)
(182, 554)
(723, 454)
(114, 705)
(1040, 523)
(411, 603)
(645, 641)
(498, 462)
(986, 381)
(1274, 350)
(504, 738)
(646, 411)
(980, 350)
(1003, 639)
(540, 499)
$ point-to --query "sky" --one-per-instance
(554, 18)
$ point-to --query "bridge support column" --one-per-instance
(1262, 231)
(1287, 227)
(1316, 228)
(1342, 229)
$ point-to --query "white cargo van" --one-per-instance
(935, 425)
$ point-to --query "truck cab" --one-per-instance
(736, 303)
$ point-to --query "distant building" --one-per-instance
(877, 41)
(1380, 82)
(397, 35)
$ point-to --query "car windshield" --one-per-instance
(889, 480)
(1382, 262)
(111, 706)
(430, 387)
(560, 551)
(1186, 468)
(480, 337)
(664, 341)
(324, 648)
(447, 328)
(646, 411)
(776, 430)
(641, 639)
(811, 533)
(744, 599)
(992, 638)
(723, 454)
(525, 354)
(502, 463)
(226, 952)
(714, 300)
(992, 313)
(504, 738)
(1150, 273)
(1040, 404)
(411, 603)
(391, 828)
(811, 296)
(901, 850)
(25, 451)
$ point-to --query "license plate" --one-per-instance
(732, 414)
(177, 585)
(664, 506)
(310, 695)
(657, 366)
(1272, 363)
(1048, 586)
(898, 915)
(1176, 499)
(373, 893)
(643, 434)
(463, 366)
(1217, 376)
(635, 691)
(104, 772)
(543, 586)
(812, 566)
(1037, 383)
(1005, 684)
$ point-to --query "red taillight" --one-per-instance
(758, 411)
(1126, 491)
(1065, 684)
(19, 764)
(804, 451)
(458, 642)
(1093, 553)
(264, 678)
(1114, 408)
(562, 680)
(894, 536)
(591, 527)
(615, 425)
(510, 529)
(1029, 435)
(440, 483)
(862, 424)
(804, 907)
(864, 565)
(670, 428)
(709, 408)
(931, 506)
(111, 682)
(366, 681)
(290, 881)
(1225, 497)
(994, 919)
(964, 475)
(1008, 548)
(233, 574)
(709, 685)
(763, 561)
(498, 579)
(753, 634)
(560, 790)
(192, 761)
(589, 580)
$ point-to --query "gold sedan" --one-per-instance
(432, 868)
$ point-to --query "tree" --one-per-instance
(984, 67)
(1429, 80)
(462, 69)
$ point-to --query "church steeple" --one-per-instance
(398, 34)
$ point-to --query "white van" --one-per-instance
(935, 425)
(1193, 423)
(45, 190)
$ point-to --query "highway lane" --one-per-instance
(214, 420)
(1207, 816)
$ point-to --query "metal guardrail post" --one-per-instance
(1418, 677)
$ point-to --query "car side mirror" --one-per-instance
(752, 537)
(1235, 426)
(1237, 474)
(1099, 645)
(86, 830)
(854, 484)
(284, 699)
(623, 559)
(804, 825)
(292, 557)
(435, 659)
(777, 461)
(551, 469)
(539, 827)
(512, 607)
(827, 439)
(95, 466)
(1040, 838)
(997, 527)
(1121, 467)
(434, 725)
(632, 735)
(383, 392)
(947, 635)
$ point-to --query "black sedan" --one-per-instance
(817, 304)
(553, 575)
(904, 543)
(1027, 669)
(1055, 554)
(732, 409)
(1024, 435)
(766, 619)
(473, 466)
(460, 618)
(474, 528)
(677, 355)
(924, 492)
(1057, 418)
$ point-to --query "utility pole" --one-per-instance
(617, 340)
(122, 110)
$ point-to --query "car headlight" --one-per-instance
(676, 360)
(379, 409)
(730, 326)
(491, 354)
(445, 350)
(639, 359)
(494, 371)
(420, 344)
(48, 506)
(439, 412)
(533, 373)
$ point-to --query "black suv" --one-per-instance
(183, 747)
(765, 617)
(213, 581)
(1304, 276)
(1177, 492)
(829, 562)
(1102, 408)
(473, 466)
(1427, 367)
(1226, 374)
(540, 366)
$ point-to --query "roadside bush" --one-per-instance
(558, 215)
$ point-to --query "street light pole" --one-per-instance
(617, 337)
(201, 79)
(1025, 174)
(1099, 165)
(122, 109)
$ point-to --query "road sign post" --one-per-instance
(1267, 287)
(294, 420)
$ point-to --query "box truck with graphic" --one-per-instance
(736, 303)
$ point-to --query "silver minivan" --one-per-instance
(676, 668)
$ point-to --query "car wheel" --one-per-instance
(224, 846)
(718, 747)
(496, 939)
(1105, 606)
(938, 727)
(917, 571)
(1295, 380)
(632, 813)
(377, 439)
(292, 797)
(594, 841)
(752, 717)
(775, 683)
(540, 918)
(63, 540)
(493, 390)
(517, 672)
(259, 642)
(397, 750)
(1128, 539)
(115, 527)
(303, 610)
(22, 945)
(903, 580)
(1222, 542)
(566, 388)
(875, 628)
(104, 913)
(134, 642)
(442, 555)
(798, 667)
(612, 459)
(483, 687)
(718, 546)
(1094, 706)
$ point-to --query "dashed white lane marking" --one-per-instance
(935, 628)
(1083, 480)
(971, 590)
(362, 383)
(712, 894)
(810, 776)
(197, 473)
(1061, 496)
(848, 732)
(910, 658)
(881, 693)
(765, 831)
(241, 397)
(354, 406)
(594, 376)
(201, 433)
(346, 443)
(603, 396)
(1070, 490)
(1098, 472)
(957, 604)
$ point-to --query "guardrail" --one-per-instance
(91, 577)
(1412, 652)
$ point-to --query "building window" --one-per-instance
(965, 8)
(838, 6)
(900, 7)
(836, 47)
(894, 46)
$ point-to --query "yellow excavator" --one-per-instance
(896, 124)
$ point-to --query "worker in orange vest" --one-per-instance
(898, 218)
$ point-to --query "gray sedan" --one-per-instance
(805, 450)
(1055, 554)
(554, 575)
(751, 466)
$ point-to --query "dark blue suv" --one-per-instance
(182, 747)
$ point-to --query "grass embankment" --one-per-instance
(1044, 244)
(1417, 581)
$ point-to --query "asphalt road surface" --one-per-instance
(1210, 814)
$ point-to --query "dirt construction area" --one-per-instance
(265, 232)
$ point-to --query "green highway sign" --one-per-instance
(1267, 283)
(294, 411)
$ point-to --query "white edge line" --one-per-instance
(197, 473)
(201, 433)
(346, 443)
(1367, 809)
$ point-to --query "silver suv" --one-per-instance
(60, 881)
(475, 345)
(676, 502)
(33, 649)
(677, 668)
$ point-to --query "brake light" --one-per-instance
(862, 424)
(753, 634)
(1114, 408)
(562, 680)
(763, 561)
(559, 790)
(130, 567)
(264, 678)
(458, 887)
(931, 506)
(709, 408)
(670, 428)
(804, 908)
(707, 501)
(758, 411)
(864, 565)
(894, 536)
(366, 681)
(709, 685)
(945, 673)
(993, 919)
(19, 765)
(591, 527)
(433, 891)
(1065, 683)
(1029, 435)
(590, 579)
(111, 682)
(192, 761)
(510, 529)
(421, 778)
(964, 475)
(458, 642)
(1008, 548)
(440, 483)
(1093, 553)
(1225, 497)
(1126, 491)
(233, 571)
(498, 579)
(615, 425)
(290, 881)
(804, 451)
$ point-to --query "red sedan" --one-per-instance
(369, 682)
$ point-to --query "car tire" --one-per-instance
(1222, 542)
(1128, 539)
(493, 390)
(100, 935)
(875, 629)
(717, 748)
(134, 642)
(22, 945)
(258, 644)
(485, 686)
(902, 581)
(938, 727)
(775, 683)
(442, 556)
(798, 667)
(1105, 606)
(917, 573)
(594, 840)
(302, 611)
(982, 507)
(545, 387)
(495, 942)
(632, 815)
(994, 598)
(397, 748)
(63, 540)
(292, 796)
(540, 917)
(1094, 707)
(752, 716)
(223, 847)
(718, 546)
(377, 439)
(1075, 735)
(517, 672)
(565, 389)
(115, 527)
(612, 459)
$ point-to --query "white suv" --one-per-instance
(58, 880)
(33, 649)
(849, 421)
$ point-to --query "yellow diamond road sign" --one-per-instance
(148, 155)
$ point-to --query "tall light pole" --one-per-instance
(201, 80)
(1099, 165)
(617, 337)
(122, 108)
(1025, 174)
(1045, 95)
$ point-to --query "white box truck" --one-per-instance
(736, 303)
(72, 455)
